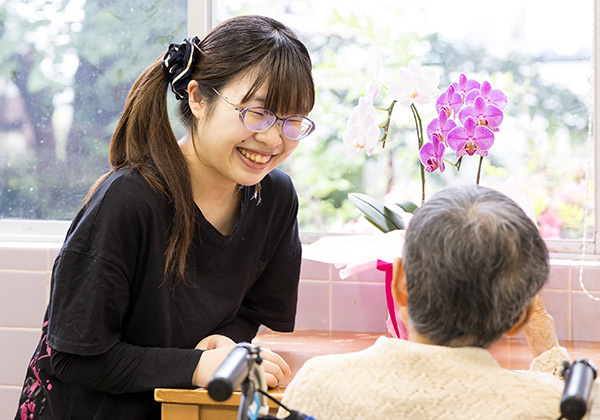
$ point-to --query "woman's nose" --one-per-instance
(271, 136)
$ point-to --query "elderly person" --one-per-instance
(473, 266)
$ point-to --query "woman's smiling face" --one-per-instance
(227, 148)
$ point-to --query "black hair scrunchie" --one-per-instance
(179, 62)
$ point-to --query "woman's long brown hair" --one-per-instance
(144, 136)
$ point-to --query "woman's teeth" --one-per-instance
(254, 157)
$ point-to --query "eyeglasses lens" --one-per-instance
(260, 119)
(296, 128)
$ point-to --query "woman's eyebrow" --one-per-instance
(254, 98)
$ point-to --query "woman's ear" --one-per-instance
(194, 100)
(399, 291)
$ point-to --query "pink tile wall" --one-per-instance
(23, 298)
(325, 302)
(357, 303)
(358, 307)
(557, 303)
(9, 396)
(18, 344)
(24, 286)
(314, 307)
(586, 310)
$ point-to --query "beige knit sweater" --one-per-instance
(398, 379)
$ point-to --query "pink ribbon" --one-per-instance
(399, 327)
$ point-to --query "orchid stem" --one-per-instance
(479, 170)
(458, 163)
(386, 126)
(419, 127)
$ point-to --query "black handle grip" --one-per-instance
(579, 378)
(231, 373)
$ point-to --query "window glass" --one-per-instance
(539, 56)
(65, 69)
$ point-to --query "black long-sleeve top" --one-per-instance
(115, 328)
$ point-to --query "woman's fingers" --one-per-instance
(275, 368)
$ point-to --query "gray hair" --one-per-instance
(473, 262)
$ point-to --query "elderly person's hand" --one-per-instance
(539, 331)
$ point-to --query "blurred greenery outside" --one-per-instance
(66, 67)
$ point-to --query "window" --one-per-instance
(67, 66)
(545, 145)
(65, 70)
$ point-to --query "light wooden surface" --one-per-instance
(196, 404)
(297, 347)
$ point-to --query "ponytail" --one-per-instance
(143, 138)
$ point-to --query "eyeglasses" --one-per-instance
(258, 119)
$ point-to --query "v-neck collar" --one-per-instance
(207, 227)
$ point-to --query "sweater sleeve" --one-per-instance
(126, 368)
(550, 361)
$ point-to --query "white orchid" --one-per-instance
(363, 132)
(415, 85)
(372, 91)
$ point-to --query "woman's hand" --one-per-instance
(217, 347)
(539, 330)
(274, 366)
(214, 342)
(208, 364)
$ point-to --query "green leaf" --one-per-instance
(408, 206)
(382, 217)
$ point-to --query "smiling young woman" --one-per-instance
(187, 246)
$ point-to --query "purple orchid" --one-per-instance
(432, 155)
(464, 85)
(492, 96)
(468, 113)
(485, 114)
(440, 127)
(449, 101)
(471, 139)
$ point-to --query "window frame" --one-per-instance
(36, 231)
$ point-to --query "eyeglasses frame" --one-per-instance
(242, 113)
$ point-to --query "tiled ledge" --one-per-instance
(326, 301)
